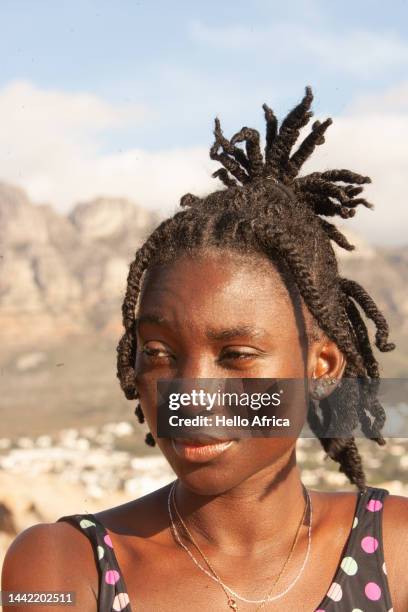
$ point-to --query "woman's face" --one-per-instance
(220, 315)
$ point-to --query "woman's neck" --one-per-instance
(261, 513)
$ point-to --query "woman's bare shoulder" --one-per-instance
(395, 523)
(395, 543)
(395, 514)
(51, 557)
(394, 505)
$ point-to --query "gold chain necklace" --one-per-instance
(262, 604)
(230, 601)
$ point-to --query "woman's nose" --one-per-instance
(197, 373)
(197, 366)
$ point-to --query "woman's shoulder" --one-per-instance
(387, 521)
(46, 540)
(395, 532)
(393, 511)
(62, 542)
(395, 543)
(381, 515)
(51, 557)
(396, 510)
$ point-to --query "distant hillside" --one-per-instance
(67, 274)
(62, 274)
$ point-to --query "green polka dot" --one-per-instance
(355, 522)
(86, 523)
(349, 566)
(101, 552)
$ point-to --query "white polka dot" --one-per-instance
(335, 592)
(357, 610)
(349, 566)
(86, 523)
(355, 522)
(121, 601)
(101, 552)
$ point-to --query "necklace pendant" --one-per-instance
(232, 604)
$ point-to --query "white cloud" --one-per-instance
(371, 138)
(354, 51)
(50, 146)
(393, 100)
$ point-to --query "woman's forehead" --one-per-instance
(221, 272)
(217, 290)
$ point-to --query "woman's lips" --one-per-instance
(200, 451)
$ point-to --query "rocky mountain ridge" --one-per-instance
(63, 274)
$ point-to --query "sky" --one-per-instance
(118, 99)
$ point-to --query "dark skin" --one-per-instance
(216, 316)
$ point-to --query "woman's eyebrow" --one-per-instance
(234, 332)
(151, 318)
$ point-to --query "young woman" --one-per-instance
(242, 283)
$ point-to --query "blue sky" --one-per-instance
(154, 75)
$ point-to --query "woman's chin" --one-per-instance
(205, 469)
(206, 482)
(224, 465)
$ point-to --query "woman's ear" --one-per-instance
(326, 361)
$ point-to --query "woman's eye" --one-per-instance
(156, 352)
(240, 355)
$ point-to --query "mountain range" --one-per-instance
(64, 274)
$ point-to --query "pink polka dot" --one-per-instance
(372, 591)
(374, 505)
(108, 540)
(369, 544)
(111, 577)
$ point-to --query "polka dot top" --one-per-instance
(359, 585)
